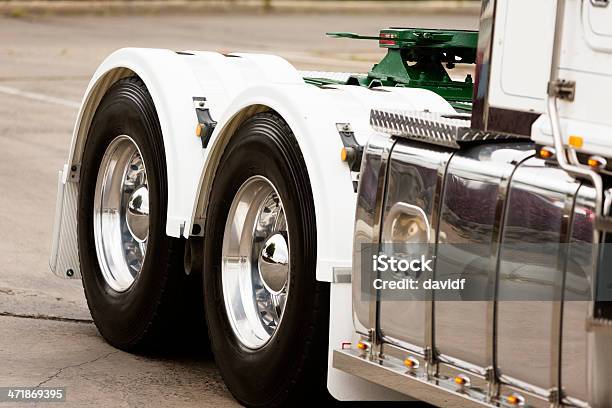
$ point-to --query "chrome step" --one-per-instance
(392, 373)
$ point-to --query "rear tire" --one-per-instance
(147, 301)
(288, 365)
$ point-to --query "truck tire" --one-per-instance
(266, 313)
(138, 294)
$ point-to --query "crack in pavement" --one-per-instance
(45, 317)
(61, 370)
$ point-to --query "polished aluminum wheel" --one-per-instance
(121, 213)
(255, 262)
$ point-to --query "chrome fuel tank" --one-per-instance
(499, 217)
(476, 184)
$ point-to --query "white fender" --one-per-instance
(233, 84)
(312, 116)
(172, 84)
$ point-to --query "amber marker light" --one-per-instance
(462, 380)
(547, 152)
(597, 162)
(514, 399)
(344, 154)
(199, 130)
(576, 141)
(362, 346)
(411, 362)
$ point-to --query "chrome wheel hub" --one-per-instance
(137, 215)
(255, 262)
(274, 263)
(121, 213)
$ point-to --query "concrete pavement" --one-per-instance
(45, 353)
(45, 65)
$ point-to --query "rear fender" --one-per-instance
(311, 118)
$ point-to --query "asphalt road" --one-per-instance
(45, 65)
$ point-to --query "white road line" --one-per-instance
(39, 97)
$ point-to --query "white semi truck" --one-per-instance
(237, 193)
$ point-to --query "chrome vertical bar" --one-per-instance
(497, 238)
(374, 312)
(556, 333)
(368, 216)
(430, 315)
